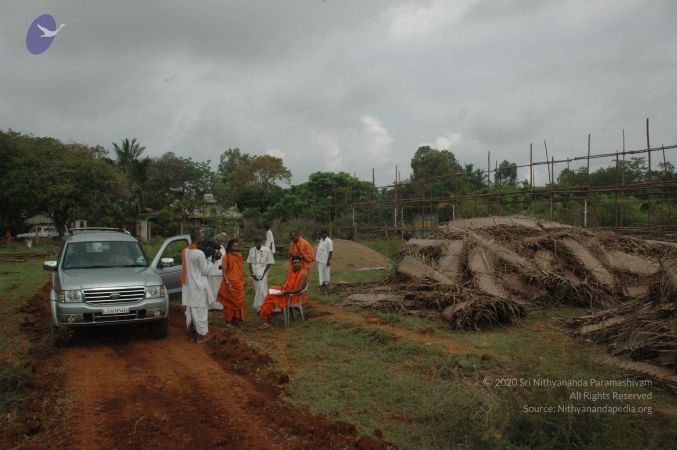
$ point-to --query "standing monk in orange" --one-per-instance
(231, 291)
(300, 247)
(294, 283)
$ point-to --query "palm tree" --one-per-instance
(127, 152)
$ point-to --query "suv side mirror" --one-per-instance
(49, 265)
(166, 262)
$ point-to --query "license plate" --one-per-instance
(115, 310)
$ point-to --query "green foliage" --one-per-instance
(252, 181)
(506, 174)
(65, 181)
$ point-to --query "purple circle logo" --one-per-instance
(41, 33)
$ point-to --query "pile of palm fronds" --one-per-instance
(643, 328)
(479, 272)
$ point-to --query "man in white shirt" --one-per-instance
(260, 259)
(325, 250)
(216, 274)
(197, 293)
(270, 240)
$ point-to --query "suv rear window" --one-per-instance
(99, 254)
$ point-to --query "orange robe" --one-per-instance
(292, 283)
(232, 298)
(191, 246)
(303, 248)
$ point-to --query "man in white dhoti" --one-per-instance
(260, 259)
(270, 240)
(325, 251)
(197, 293)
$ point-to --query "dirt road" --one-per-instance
(134, 392)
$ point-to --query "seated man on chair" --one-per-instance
(294, 285)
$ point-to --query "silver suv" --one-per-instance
(103, 277)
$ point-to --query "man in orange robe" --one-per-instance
(231, 291)
(294, 284)
(300, 247)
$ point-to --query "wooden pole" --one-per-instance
(489, 169)
(552, 185)
(665, 195)
(616, 193)
(649, 210)
(623, 181)
(547, 159)
(587, 170)
(531, 165)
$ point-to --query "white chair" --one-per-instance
(298, 305)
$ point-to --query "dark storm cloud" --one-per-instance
(341, 85)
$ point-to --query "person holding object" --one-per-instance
(216, 274)
(197, 293)
(300, 247)
(231, 291)
(325, 250)
(260, 259)
(270, 240)
(296, 281)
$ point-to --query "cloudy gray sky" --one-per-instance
(346, 84)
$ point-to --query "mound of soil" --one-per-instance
(349, 255)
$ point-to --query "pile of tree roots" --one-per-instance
(482, 272)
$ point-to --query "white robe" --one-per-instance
(324, 247)
(197, 292)
(270, 241)
(259, 259)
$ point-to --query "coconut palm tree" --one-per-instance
(127, 152)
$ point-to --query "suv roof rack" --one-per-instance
(95, 229)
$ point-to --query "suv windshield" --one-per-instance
(98, 254)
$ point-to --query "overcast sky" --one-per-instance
(346, 84)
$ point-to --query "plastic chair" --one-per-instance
(298, 305)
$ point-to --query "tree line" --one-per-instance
(114, 187)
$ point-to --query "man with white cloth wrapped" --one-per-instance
(197, 293)
(260, 259)
(325, 250)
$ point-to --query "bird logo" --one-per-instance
(41, 34)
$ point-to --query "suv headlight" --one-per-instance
(155, 291)
(70, 296)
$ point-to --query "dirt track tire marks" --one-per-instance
(135, 392)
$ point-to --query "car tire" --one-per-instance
(158, 329)
(61, 336)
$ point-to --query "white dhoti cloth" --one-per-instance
(259, 259)
(198, 316)
(260, 291)
(324, 272)
(197, 293)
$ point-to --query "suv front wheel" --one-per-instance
(61, 336)
(158, 329)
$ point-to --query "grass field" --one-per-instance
(422, 397)
(394, 374)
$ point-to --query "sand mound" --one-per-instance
(349, 255)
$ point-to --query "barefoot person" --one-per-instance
(325, 250)
(231, 292)
(294, 284)
(260, 259)
(197, 293)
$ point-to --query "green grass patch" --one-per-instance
(17, 282)
(20, 247)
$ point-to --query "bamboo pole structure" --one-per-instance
(648, 189)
